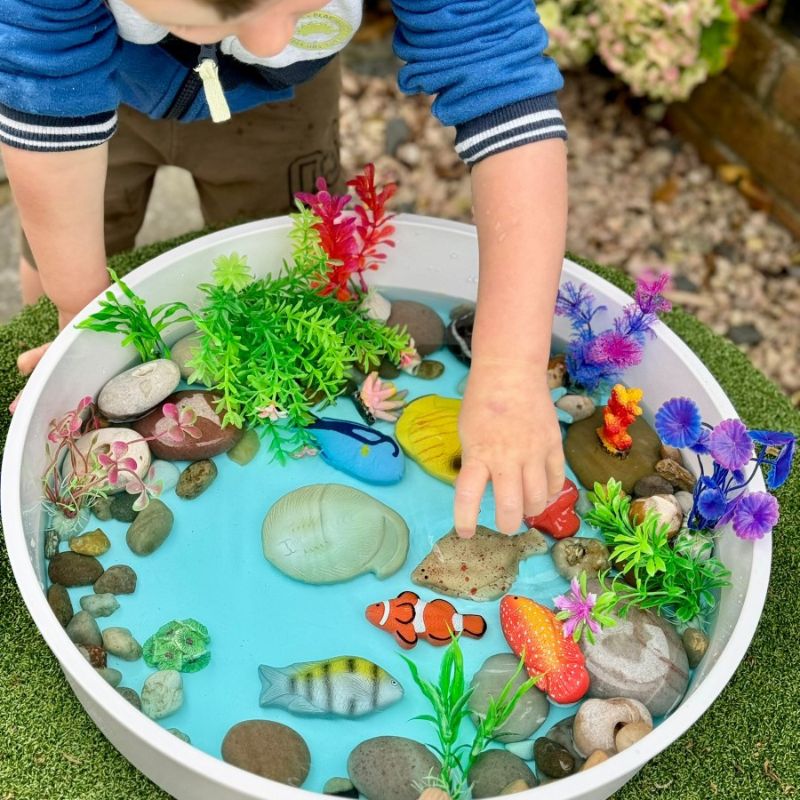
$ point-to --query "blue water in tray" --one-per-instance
(212, 568)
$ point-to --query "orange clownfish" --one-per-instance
(410, 619)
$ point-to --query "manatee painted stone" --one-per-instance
(91, 444)
(213, 439)
(641, 658)
(481, 568)
(423, 324)
(391, 768)
(359, 450)
(529, 713)
(494, 770)
(268, 749)
(428, 433)
(326, 533)
(591, 462)
(134, 392)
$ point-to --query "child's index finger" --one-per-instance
(470, 487)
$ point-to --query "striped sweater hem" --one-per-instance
(52, 134)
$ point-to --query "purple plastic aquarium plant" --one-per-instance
(583, 612)
(718, 497)
(597, 360)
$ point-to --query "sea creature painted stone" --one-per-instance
(559, 518)
(409, 619)
(428, 432)
(346, 686)
(556, 395)
(178, 645)
(326, 533)
(358, 450)
(533, 630)
(481, 568)
(591, 462)
(376, 399)
(618, 415)
(458, 335)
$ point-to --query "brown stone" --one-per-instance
(214, 438)
(422, 323)
(196, 478)
(556, 371)
(673, 453)
(268, 749)
(58, 598)
(72, 569)
(592, 463)
(786, 94)
(94, 543)
(678, 476)
(94, 654)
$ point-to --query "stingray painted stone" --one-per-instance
(327, 533)
(559, 518)
(481, 568)
(428, 432)
(179, 645)
(359, 450)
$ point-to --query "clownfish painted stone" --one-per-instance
(359, 450)
(409, 619)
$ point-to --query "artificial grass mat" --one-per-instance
(744, 748)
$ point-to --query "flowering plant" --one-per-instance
(737, 454)
(572, 30)
(596, 360)
(583, 612)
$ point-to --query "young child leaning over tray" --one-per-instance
(93, 97)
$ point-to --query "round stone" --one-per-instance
(92, 444)
(552, 759)
(122, 507)
(340, 787)
(494, 770)
(82, 629)
(391, 768)
(131, 696)
(597, 722)
(100, 605)
(664, 506)
(196, 478)
(641, 657)
(680, 477)
(61, 605)
(696, 644)
(150, 528)
(183, 351)
(119, 579)
(422, 323)
(578, 406)
(168, 443)
(650, 485)
(577, 554)
(119, 642)
(268, 749)
(529, 713)
(561, 733)
(113, 677)
(95, 543)
(73, 569)
(631, 733)
(135, 391)
(162, 693)
(429, 370)
(245, 450)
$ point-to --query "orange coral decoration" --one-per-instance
(618, 416)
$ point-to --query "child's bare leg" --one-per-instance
(29, 281)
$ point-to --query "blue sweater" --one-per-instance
(64, 70)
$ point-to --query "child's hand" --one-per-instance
(509, 435)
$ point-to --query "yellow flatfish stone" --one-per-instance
(428, 433)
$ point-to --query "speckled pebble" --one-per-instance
(60, 603)
(561, 733)
(134, 392)
(578, 406)
(494, 770)
(422, 322)
(82, 629)
(119, 642)
(162, 693)
(119, 579)
(95, 543)
(269, 749)
(131, 696)
(245, 450)
(100, 605)
(72, 569)
(196, 478)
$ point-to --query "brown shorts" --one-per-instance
(247, 168)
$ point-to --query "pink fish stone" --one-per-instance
(559, 518)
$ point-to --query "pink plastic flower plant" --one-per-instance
(379, 400)
(180, 424)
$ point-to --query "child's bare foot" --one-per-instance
(30, 358)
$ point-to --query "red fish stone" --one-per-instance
(213, 440)
(559, 518)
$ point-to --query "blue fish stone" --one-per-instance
(358, 450)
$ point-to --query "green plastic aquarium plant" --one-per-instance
(653, 575)
(141, 328)
(449, 699)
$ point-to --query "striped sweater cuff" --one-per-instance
(511, 126)
(51, 134)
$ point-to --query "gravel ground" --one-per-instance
(640, 199)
